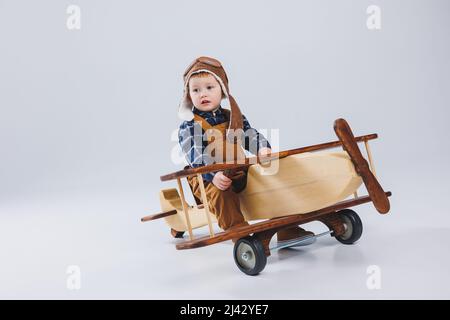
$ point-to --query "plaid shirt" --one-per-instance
(190, 137)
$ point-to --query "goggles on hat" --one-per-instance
(209, 61)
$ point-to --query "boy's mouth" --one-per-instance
(205, 101)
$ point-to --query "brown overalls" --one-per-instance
(223, 204)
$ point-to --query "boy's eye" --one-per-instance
(195, 90)
(210, 87)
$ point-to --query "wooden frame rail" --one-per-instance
(281, 222)
(254, 160)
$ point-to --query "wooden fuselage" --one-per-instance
(296, 184)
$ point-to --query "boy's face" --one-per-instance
(205, 92)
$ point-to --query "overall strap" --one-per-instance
(205, 124)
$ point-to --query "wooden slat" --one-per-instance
(253, 160)
(355, 194)
(271, 224)
(369, 155)
(205, 203)
(185, 209)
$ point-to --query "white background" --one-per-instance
(86, 118)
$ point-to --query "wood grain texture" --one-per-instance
(298, 183)
(170, 200)
(282, 222)
(244, 163)
(205, 203)
(159, 215)
(185, 209)
(302, 183)
(376, 192)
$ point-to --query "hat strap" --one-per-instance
(235, 120)
(236, 115)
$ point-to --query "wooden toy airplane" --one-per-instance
(308, 186)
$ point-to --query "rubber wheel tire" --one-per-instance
(353, 226)
(249, 255)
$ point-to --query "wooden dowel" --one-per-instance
(205, 203)
(355, 194)
(369, 155)
(185, 209)
(159, 215)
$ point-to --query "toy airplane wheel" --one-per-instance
(353, 227)
(249, 255)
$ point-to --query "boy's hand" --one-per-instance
(221, 181)
(264, 151)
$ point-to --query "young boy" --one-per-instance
(205, 85)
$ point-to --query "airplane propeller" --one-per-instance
(376, 192)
